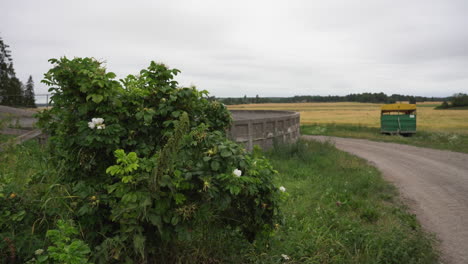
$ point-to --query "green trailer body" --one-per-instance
(398, 119)
(398, 124)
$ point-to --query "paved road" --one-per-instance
(433, 182)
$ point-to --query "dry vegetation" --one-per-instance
(367, 114)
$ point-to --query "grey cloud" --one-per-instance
(270, 48)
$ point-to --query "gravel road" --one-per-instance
(434, 183)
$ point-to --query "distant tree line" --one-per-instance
(361, 97)
(12, 91)
(457, 100)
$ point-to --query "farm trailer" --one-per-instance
(398, 119)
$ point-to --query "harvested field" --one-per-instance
(367, 114)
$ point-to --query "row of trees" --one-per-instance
(12, 91)
(457, 100)
(362, 98)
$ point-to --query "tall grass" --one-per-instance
(340, 210)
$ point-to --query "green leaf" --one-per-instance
(111, 188)
(127, 179)
(166, 180)
(42, 259)
(139, 244)
(147, 118)
(155, 220)
(97, 98)
(139, 115)
(215, 165)
(226, 153)
(113, 170)
(175, 220)
(179, 198)
(110, 75)
(176, 114)
(234, 190)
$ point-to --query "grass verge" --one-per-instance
(437, 140)
(5, 138)
(339, 210)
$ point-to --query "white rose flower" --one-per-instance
(237, 172)
(96, 122)
(282, 189)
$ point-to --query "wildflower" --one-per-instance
(282, 189)
(206, 185)
(39, 251)
(237, 172)
(12, 195)
(285, 257)
(97, 122)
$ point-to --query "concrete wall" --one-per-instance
(263, 127)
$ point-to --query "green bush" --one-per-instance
(460, 100)
(444, 105)
(144, 166)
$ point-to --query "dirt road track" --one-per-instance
(433, 182)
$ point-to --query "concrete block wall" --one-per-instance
(263, 127)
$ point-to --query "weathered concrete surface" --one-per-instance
(238, 115)
(13, 131)
(263, 128)
(17, 117)
(433, 182)
(7, 110)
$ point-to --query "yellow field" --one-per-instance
(368, 114)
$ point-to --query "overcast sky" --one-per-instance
(269, 48)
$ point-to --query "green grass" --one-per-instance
(5, 138)
(338, 210)
(427, 105)
(437, 140)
